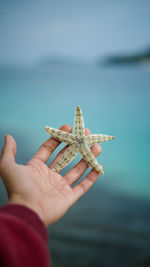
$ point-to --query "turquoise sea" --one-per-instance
(111, 223)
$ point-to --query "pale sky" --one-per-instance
(33, 29)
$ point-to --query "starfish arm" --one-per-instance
(66, 158)
(97, 138)
(79, 123)
(90, 158)
(60, 135)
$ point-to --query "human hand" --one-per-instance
(34, 185)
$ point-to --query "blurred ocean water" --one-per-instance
(113, 101)
(110, 224)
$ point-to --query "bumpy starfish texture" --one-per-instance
(78, 142)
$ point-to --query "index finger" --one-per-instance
(47, 148)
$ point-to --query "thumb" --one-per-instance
(9, 149)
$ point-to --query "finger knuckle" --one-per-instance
(96, 149)
(81, 168)
(49, 147)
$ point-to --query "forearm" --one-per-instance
(23, 239)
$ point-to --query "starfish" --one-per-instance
(78, 142)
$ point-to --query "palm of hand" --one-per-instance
(51, 190)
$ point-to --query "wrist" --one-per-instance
(37, 210)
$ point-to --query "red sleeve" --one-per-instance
(23, 238)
